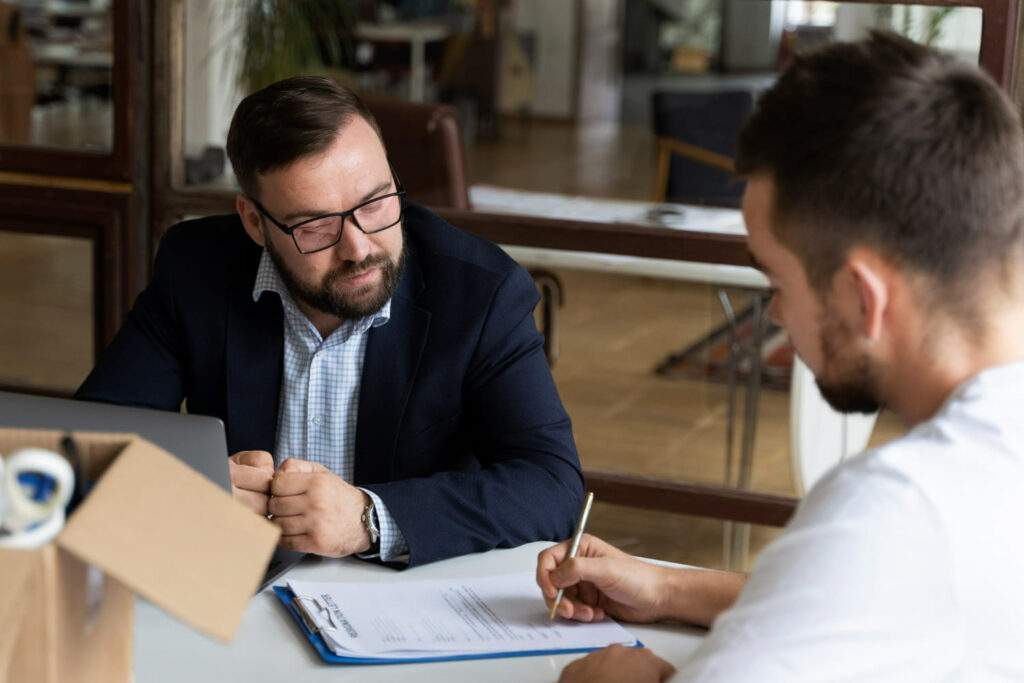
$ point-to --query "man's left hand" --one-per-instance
(618, 663)
(318, 511)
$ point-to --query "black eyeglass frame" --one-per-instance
(351, 213)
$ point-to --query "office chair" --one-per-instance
(696, 133)
(424, 144)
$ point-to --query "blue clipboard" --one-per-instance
(285, 595)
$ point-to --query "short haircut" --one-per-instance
(888, 144)
(288, 120)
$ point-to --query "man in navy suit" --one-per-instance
(379, 373)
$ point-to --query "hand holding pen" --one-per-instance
(599, 579)
(574, 547)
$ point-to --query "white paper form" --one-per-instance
(500, 614)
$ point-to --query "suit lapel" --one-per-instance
(254, 349)
(393, 354)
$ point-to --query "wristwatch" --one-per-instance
(369, 519)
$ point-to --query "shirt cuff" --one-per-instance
(393, 547)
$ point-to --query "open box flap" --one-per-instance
(174, 537)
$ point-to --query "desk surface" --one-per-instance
(269, 647)
(714, 220)
(672, 216)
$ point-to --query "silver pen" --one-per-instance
(574, 548)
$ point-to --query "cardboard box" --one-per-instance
(151, 525)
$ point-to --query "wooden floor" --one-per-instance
(614, 331)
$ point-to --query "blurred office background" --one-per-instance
(593, 138)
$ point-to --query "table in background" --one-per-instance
(417, 34)
(270, 647)
(492, 199)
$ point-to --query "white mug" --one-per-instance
(24, 522)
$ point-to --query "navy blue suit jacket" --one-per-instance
(460, 429)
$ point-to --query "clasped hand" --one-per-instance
(318, 511)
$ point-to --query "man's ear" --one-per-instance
(866, 279)
(250, 219)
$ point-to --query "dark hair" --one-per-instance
(288, 120)
(890, 144)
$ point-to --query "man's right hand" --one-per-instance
(602, 580)
(251, 474)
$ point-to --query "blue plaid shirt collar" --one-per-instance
(269, 280)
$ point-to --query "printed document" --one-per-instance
(411, 619)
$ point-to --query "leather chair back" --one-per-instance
(424, 144)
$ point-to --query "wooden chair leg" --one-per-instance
(660, 190)
(551, 299)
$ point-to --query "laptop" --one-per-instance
(196, 440)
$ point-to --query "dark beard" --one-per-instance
(849, 397)
(854, 391)
(326, 299)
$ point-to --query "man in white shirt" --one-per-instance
(884, 203)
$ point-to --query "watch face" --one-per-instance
(370, 522)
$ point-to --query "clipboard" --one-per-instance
(286, 596)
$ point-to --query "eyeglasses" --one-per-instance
(323, 232)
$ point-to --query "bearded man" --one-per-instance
(379, 374)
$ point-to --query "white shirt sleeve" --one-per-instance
(859, 587)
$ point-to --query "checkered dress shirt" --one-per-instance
(319, 401)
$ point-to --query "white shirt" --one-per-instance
(905, 563)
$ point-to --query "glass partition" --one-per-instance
(529, 128)
(57, 78)
(46, 308)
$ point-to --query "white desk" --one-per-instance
(494, 199)
(269, 646)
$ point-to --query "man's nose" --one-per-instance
(353, 245)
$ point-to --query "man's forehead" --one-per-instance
(757, 215)
(357, 132)
(336, 172)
